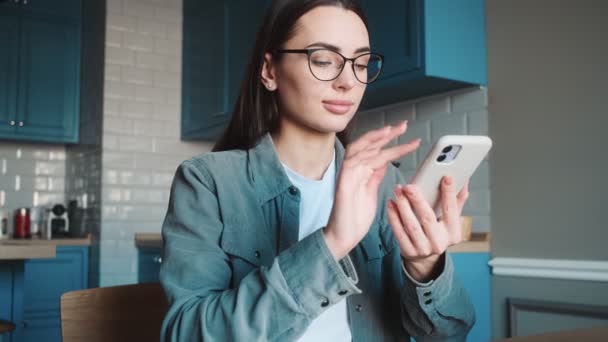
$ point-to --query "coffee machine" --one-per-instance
(58, 223)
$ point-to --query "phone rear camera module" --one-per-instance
(447, 149)
(441, 158)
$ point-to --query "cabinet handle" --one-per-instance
(12, 123)
(158, 259)
(20, 123)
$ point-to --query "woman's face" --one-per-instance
(322, 106)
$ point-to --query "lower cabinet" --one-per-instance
(45, 280)
(149, 264)
(473, 271)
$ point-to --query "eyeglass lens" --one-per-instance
(326, 65)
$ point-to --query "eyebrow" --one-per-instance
(335, 48)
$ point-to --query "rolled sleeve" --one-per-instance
(332, 280)
(440, 308)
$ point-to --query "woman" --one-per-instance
(281, 233)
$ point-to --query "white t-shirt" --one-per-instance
(316, 201)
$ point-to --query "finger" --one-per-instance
(405, 244)
(423, 212)
(462, 196)
(395, 132)
(393, 153)
(376, 178)
(363, 141)
(410, 222)
(361, 156)
(449, 207)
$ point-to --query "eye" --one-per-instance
(360, 66)
(321, 62)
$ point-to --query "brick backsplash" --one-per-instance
(30, 174)
(458, 112)
(141, 128)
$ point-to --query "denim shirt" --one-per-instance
(234, 270)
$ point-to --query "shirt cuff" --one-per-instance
(428, 283)
(315, 278)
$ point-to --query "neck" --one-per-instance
(307, 152)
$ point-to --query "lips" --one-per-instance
(338, 106)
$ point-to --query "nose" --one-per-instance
(346, 80)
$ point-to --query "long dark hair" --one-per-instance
(256, 112)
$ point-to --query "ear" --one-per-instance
(268, 75)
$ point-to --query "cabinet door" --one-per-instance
(62, 8)
(204, 96)
(149, 265)
(43, 329)
(45, 280)
(244, 20)
(9, 42)
(395, 32)
(473, 271)
(49, 77)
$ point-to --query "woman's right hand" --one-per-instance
(356, 199)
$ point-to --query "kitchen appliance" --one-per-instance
(3, 225)
(58, 223)
(21, 228)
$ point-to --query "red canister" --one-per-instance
(22, 223)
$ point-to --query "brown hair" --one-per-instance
(256, 112)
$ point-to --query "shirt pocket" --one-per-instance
(245, 248)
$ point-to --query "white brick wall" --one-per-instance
(458, 112)
(141, 145)
(30, 174)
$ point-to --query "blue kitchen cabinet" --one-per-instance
(149, 260)
(473, 271)
(218, 37)
(45, 280)
(9, 36)
(40, 75)
(430, 46)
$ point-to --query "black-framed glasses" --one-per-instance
(327, 65)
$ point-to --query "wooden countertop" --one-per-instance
(480, 242)
(22, 252)
(36, 248)
(153, 240)
(36, 241)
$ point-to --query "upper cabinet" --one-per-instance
(40, 70)
(218, 37)
(430, 46)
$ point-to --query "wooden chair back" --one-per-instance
(117, 313)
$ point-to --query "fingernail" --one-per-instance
(447, 180)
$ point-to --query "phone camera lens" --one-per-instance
(441, 158)
(447, 149)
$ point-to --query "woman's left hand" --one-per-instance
(422, 237)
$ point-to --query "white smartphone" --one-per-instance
(457, 156)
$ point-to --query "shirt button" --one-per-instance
(343, 292)
(257, 254)
(325, 302)
(428, 302)
(359, 307)
(426, 294)
(293, 190)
